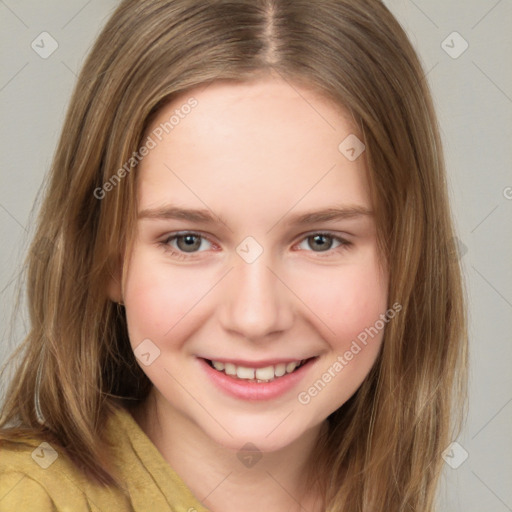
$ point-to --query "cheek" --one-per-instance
(357, 303)
(158, 297)
(349, 303)
(345, 301)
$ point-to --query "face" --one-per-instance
(256, 251)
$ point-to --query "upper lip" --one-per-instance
(258, 364)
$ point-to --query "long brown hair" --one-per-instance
(383, 447)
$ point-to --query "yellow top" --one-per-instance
(35, 477)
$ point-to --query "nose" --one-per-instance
(255, 303)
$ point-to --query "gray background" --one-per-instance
(473, 95)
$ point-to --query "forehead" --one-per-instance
(265, 145)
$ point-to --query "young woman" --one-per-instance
(242, 288)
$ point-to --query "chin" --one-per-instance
(267, 435)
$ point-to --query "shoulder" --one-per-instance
(23, 475)
(35, 475)
(20, 492)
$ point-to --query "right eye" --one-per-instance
(186, 242)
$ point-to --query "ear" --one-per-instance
(114, 288)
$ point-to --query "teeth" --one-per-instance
(230, 369)
(291, 366)
(266, 374)
(244, 373)
(280, 370)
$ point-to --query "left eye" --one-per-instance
(321, 242)
(188, 242)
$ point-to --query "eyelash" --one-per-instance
(344, 244)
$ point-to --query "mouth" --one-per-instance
(262, 374)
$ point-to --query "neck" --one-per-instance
(227, 480)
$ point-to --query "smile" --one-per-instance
(256, 381)
(263, 374)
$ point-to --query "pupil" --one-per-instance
(189, 243)
(321, 242)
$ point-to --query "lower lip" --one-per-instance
(246, 390)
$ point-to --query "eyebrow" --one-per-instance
(330, 214)
(207, 217)
(173, 212)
